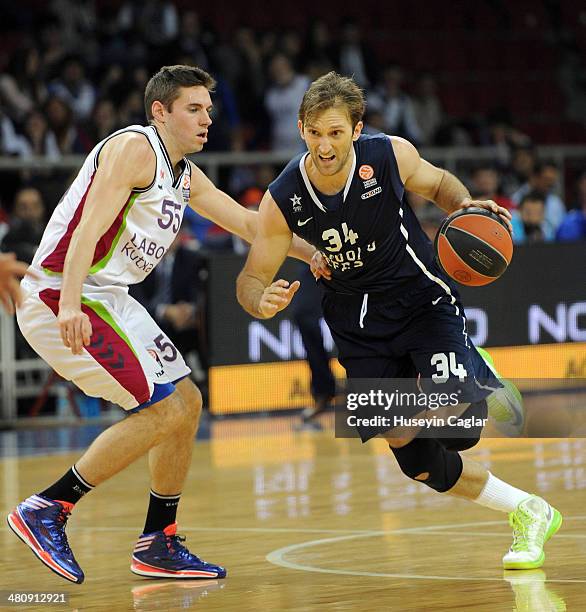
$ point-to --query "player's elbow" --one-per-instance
(250, 226)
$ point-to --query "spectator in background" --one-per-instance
(485, 185)
(573, 226)
(112, 83)
(191, 40)
(249, 86)
(53, 49)
(27, 225)
(544, 179)
(156, 21)
(10, 140)
(318, 48)
(282, 101)
(501, 135)
(291, 45)
(354, 57)
(103, 122)
(427, 108)
(395, 106)
(60, 119)
(74, 88)
(37, 138)
(21, 86)
(374, 122)
(522, 165)
(131, 111)
(529, 222)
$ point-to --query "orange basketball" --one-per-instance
(474, 246)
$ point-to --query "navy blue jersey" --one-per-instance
(372, 240)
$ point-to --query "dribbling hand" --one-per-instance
(75, 328)
(502, 212)
(276, 297)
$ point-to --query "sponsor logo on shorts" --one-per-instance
(369, 183)
(365, 172)
(161, 371)
(371, 193)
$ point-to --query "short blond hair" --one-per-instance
(333, 90)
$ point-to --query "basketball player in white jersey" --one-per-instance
(110, 230)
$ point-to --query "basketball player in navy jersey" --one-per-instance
(392, 312)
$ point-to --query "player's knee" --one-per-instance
(192, 401)
(167, 415)
(427, 461)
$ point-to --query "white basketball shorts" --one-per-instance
(128, 353)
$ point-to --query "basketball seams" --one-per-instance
(476, 237)
(496, 245)
(477, 278)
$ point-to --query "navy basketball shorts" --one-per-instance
(419, 336)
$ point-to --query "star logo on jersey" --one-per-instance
(296, 203)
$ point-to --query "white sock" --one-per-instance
(498, 495)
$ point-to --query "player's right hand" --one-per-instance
(75, 328)
(276, 297)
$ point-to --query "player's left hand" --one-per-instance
(319, 267)
(276, 297)
(502, 212)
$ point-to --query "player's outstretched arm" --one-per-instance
(126, 162)
(255, 289)
(212, 203)
(436, 184)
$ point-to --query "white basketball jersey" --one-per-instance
(142, 232)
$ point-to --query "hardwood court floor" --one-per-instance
(307, 522)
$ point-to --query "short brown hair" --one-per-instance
(164, 86)
(330, 90)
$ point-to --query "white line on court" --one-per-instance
(277, 557)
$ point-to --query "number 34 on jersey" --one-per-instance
(343, 254)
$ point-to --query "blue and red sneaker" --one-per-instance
(40, 523)
(161, 555)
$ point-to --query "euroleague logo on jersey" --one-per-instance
(186, 188)
(365, 172)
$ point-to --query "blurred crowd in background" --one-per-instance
(509, 76)
(73, 71)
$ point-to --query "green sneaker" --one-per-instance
(505, 405)
(533, 522)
